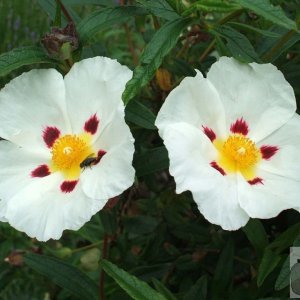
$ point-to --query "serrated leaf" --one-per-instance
(198, 291)
(133, 286)
(283, 279)
(161, 44)
(271, 48)
(238, 44)
(271, 13)
(64, 275)
(268, 263)
(162, 289)
(267, 33)
(160, 8)
(257, 235)
(105, 18)
(219, 6)
(140, 115)
(20, 57)
(151, 161)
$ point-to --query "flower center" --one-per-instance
(241, 150)
(68, 152)
(238, 154)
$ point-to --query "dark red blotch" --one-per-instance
(91, 125)
(209, 133)
(50, 134)
(256, 180)
(40, 171)
(268, 151)
(68, 186)
(217, 167)
(239, 126)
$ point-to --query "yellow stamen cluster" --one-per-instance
(68, 152)
(238, 153)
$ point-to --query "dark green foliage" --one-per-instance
(155, 243)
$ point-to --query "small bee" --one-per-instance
(89, 162)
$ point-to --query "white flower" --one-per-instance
(68, 148)
(233, 140)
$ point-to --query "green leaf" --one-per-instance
(198, 291)
(163, 41)
(257, 235)
(49, 6)
(266, 10)
(283, 279)
(162, 289)
(151, 161)
(134, 287)
(20, 57)
(160, 8)
(268, 263)
(224, 268)
(267, 33)
(286, 239)
(64, 275)
(271, 48)
(105, 18)
(140, 115)
(140, 224)
(212, 6)
(238, 44)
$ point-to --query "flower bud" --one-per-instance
(61, 42)
(15, 258)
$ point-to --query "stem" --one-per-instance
(207, 50)
(64, 10)
(86, 247)
(278, 45)
(102, 274)
(131, 45)
(222, 21)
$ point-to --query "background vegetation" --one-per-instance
(149, 231)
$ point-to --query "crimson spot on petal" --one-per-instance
(239, 126)
(209, 133)
(68, 186)
(268, 151)
(101, 153)
(40, 171)
(91, 125)
(255, 180)
(50, 134)
(217, 167)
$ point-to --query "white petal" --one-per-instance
(257, 92)
(281, 175)
(196, 102)
(42, 211)
(95, 86)
(30, 103)
(16, 167)
(112, 175)
(267, 200)
(190, 156)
